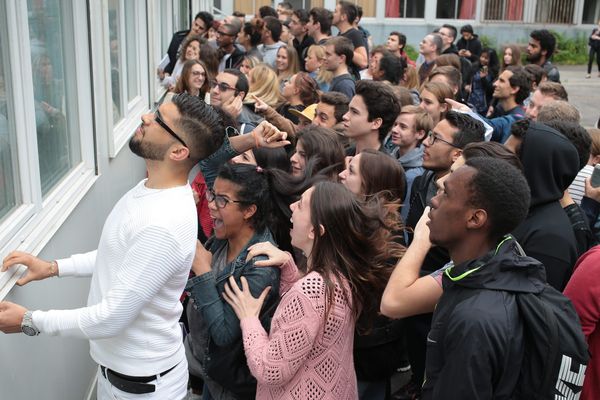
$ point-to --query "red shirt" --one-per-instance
(584, 291)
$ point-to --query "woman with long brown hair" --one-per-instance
(347, 243)
(193, 80)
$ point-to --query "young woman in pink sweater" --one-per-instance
(308, 353)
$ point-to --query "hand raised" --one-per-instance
(37, 269)
(259, 105)
(233, 106)
(269, 136)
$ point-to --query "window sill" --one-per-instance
(39, 229)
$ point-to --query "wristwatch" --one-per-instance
(27, 326)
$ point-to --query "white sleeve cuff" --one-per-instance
(58, 323)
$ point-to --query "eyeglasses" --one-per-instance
(224, 34)
(433, 137)
(198, 73)
(223, 87)
(166, 127)
(220, 201)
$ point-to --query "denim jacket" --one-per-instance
(223, 358)
(207, 290)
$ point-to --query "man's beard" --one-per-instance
(146, 150)
(534, 58)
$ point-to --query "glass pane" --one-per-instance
(404, 9)
(131, 47)
(555, 11)
(184, 14)
(58, 147)
(115, 58)
(368, 7)
(456, 9)
(508, 10)
(591, 11)
(8, 167)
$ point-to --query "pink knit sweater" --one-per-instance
(305, 356)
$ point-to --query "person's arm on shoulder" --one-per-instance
(276, 258)
(221, 320)
(148, 270)
(406, 293)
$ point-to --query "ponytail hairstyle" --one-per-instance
(356, 245)
(272, 207)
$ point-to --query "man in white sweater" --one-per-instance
(140, 267)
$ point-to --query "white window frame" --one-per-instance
(160, 11)
(133, 110)
(35, 221)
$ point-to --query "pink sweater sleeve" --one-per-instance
(584, 290)
(289, 275)
(275, 359)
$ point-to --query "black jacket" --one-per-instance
(550, 163)
(176, 41)
(473, 45)
(475, 346)
(235, 59)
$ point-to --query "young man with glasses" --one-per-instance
(141, 265)
(231, 55)
(227, 92)
(442, 146)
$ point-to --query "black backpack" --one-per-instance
(556, 352)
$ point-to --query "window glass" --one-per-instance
(591, 12)
(184, 15)
(115, 58)
(404, 9)
(58, 146)
(131, 46)
(507, 10)
(456, 9)
(8, 167)
(555, 11)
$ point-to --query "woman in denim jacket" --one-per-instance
(240, 205)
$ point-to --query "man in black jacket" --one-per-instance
(443, 145)
(476, 344)
(202, 22)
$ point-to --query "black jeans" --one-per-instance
(591, 59)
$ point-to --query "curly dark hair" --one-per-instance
(546, 39)
(522, 79)
(392, 68)
(496, 184)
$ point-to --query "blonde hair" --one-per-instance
(293, 63)
(319, 52)
(423, 121)
(412, 78)
(264, 85)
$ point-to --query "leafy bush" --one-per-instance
(570, 50)
(412, 52)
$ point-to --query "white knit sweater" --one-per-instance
(138, 274)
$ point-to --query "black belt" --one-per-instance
(132, 384)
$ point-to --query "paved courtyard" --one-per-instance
(583, 93)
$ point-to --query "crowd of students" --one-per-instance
(356, 213)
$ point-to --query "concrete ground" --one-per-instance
(583, 93)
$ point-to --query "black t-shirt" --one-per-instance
(358, 40)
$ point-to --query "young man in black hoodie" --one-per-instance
(475, 346)
(550, 163)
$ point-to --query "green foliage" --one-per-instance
(570, 50)
(412, 52)
(487, 41)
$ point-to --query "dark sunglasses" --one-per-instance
(223, 87)
(166, 127)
